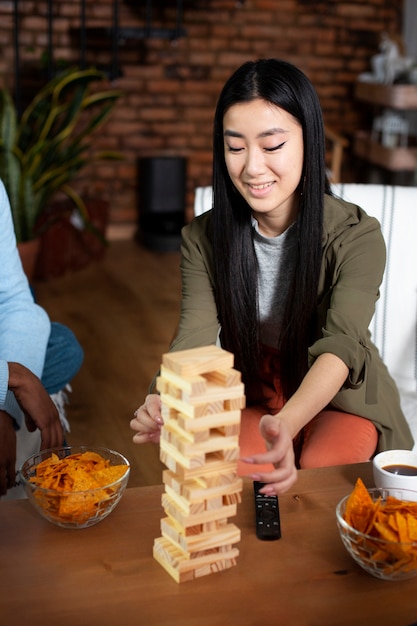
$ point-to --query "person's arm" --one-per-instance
(319, 386)
(39, 412)
(317, 389)
(7, 452)
(24, 326)
(338, 357)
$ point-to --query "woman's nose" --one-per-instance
(254, 162)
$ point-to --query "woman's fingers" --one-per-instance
(147, 420)
(280, 454)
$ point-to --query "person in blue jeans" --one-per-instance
(38, 359)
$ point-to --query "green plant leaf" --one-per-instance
(42, 153)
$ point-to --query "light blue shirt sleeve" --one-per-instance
(24, 326)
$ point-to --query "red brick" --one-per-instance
(171, 88)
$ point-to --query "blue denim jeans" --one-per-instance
(64, 357)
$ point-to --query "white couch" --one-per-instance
(394, 325)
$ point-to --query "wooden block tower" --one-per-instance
(202, 397)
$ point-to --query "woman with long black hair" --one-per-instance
(286, 277)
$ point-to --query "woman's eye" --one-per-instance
(233, 149)
(278, 147)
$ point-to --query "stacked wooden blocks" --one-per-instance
(202, 397)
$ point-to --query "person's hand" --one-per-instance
(280, 453)
(148, 420)
(37, 406)
(7, 453)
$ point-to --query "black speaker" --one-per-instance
(162, 187)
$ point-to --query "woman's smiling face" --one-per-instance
(264, 155)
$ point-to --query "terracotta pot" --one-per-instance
(29, 252)
(65, 248)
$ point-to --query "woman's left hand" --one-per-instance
(280, 453)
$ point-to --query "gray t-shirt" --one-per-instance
(276, 261)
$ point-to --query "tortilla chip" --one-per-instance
(82, 482)
(394, 521)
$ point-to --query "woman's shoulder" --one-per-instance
(340, 216)
(199, 227)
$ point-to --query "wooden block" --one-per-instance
(174, 392)
(175, 425)
(172, 509)
(234, 404)
(198, 492)
(233, 498)
(171, 457)
(213, 443)
(193, 410)
(171, 431)
(168, 412)
(218, 566)
(225, 378)
(226, 535)
(214, 420)
(161, 385)
(175, 528)
(185, 532)
(186, 507)
(197, 488)
(214, 393)
(190, 454)
(211, 467)
(191, 384)
(172, 480)
(222, 479)
(196, 361)
(214, 503)
(231, 430)
(165, 553)
(231, 454)
(183, 569)
(195, 492)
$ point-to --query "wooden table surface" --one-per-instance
(106, 574)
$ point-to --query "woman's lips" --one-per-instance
(261, 189)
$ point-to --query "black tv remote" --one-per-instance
(268, 525)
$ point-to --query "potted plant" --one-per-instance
(42, 150)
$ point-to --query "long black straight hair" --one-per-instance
(283, 85)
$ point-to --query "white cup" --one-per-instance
(395, 482)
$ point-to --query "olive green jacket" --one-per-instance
(351, 273)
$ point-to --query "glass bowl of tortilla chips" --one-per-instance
(75, 486)
(379, 530)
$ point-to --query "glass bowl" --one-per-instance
(75, 509)
(388, 560)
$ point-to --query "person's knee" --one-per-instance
(63, 339)
(352, 439)
(63, 359)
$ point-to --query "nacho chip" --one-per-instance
(394, 521)
(359, 507)
(82, 482)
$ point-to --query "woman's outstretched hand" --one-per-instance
(280, 453)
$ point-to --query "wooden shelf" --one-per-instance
(394, 159)
(393, 96)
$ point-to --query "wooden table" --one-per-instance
(106, 575)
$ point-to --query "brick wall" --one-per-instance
(170, 87)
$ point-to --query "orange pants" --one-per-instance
(330, 438)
